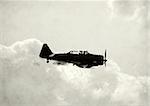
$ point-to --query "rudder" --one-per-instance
(45, 51)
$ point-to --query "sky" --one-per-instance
(120, 26)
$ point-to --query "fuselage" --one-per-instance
(79, 59)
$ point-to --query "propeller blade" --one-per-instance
(105, 57)
(105, 54)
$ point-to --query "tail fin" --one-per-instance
(45, 51)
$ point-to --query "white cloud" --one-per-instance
(128, 91)
(27, 80)
(129, 9)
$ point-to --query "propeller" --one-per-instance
(105, 58)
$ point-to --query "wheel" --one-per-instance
(89, 66)
(47, 61)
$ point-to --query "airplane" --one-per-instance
(82, 59)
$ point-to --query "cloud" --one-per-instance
(130, 91)
(27, 80)
(129, 9)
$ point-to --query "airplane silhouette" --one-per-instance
(82, 59)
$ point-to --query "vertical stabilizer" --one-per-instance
(45, 51)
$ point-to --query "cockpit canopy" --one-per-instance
(78, 52)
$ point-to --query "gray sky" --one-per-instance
(119, 27)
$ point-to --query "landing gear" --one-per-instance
(47, 61)
(89, 66)
(84, 66)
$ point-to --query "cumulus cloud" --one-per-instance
(27, 80)
(129, 9)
